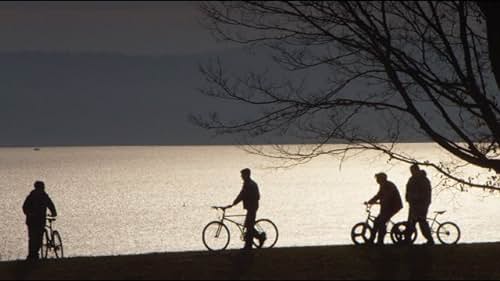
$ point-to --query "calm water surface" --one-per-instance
(127, 200)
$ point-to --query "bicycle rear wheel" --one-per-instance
(361, 233)
(44, 249)
(215, 236)
(267, 231)
(448, 233)
(57, 245)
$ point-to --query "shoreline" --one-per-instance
(463, 261)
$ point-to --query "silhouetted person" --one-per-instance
(250, 196)
(390, 203)
(418, 196)
(35, 208)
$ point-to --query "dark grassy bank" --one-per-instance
(466, 261)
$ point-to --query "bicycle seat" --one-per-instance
(439, 212)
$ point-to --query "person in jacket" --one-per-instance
(390, 203)
(250, 196)
(418, 196)
(35, 208)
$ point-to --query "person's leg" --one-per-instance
(31, 236)
(382, 227)
(424, 225)
(39, 238)
(410, 225)
(376, 229)
(379, 229)
(35, 236)
(426, 231)
(249, 225)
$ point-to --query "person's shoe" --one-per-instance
(32, 258)
(262, 238)
(430, 243)
(246, 248)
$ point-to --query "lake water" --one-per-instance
(128, 200)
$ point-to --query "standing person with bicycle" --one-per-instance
(390, 203)
(418, 196)
(250, 196)
(35, 208)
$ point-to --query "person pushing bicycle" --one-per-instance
(250, 196)
(418, 196)
(390, 203)
(35, 208)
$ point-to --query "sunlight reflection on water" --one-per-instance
(126, 200)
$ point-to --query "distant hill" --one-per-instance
(104, 99)
(109, 99)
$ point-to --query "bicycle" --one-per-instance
(216, 234)
(362, 232)
(447, 232)
(52, 242)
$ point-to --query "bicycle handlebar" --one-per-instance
(219, 207)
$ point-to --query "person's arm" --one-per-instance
(412, 192)
(27, 205)
(375, 198)
(239, 198)
(51, 207)
(407, 193)
(427, 196)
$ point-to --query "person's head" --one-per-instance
(381, 178)
(39, 185)
(245, 174)
(415, 170)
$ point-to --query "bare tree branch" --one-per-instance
(426, 65)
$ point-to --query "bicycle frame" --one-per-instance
(371, 218)
(433, 221)
(225, 217)
(49, 228)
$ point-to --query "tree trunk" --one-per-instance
(491, 11)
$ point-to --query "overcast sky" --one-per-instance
(55, 90)
(53, 98)
(141, 27)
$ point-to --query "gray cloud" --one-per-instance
(148, 28)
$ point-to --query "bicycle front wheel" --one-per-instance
(267, 232)
(398, 233)
(448, 233)
(44, 249)
(57, 245)
(361, 233)
(216, 236)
